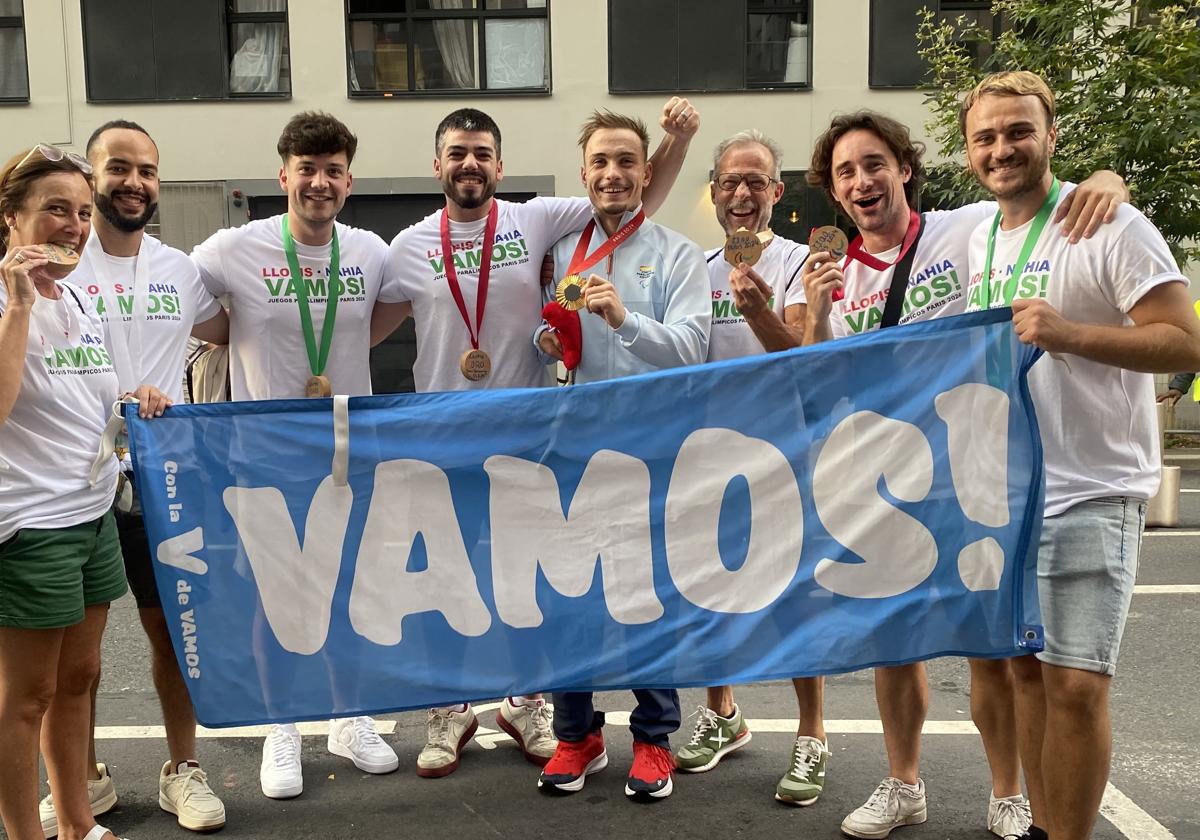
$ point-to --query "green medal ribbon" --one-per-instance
(316, 360)
(1031, 238)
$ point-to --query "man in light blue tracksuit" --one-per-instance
(646, 306)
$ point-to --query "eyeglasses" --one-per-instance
(54, 154)
(757, 182)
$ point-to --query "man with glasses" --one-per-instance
(755, 310)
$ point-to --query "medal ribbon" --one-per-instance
(856, 252)
(317, 359)
(126, 340)
(581, 263)
(485, 271)
(1031, 238)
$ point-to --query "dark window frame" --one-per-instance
(228, 19)
(952, 8)
(18, 22)
(480, 15)
(788, 7)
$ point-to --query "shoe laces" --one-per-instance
(882, 797)
(542, 721)
(281, 748)
(365, 733)
(437, 727)
(649, 757)
(1017, 810)
(805, 758)
(706, 721)
(195, 783)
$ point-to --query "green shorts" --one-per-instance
(48, 575)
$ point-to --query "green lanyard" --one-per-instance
(316, 361)
(1031, 238)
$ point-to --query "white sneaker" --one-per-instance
(531, 726)
(101, 793)
(280, 775)
(356, 739)
(448, 732)
(892, 805)
(1010, 816)
(186, 794)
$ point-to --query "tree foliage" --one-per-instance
(1126, 75)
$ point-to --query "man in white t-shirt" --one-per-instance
(1108, 312)
(273, 270)
(151, 300)
(756, 309)
(466, 344)
(871, 169)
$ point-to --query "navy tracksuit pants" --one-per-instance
(652, 722)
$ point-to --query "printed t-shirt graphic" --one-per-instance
(781, 265)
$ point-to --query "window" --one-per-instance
(894, 58)
(446, 46)
(802, 208)
(708, 45)
(14, 72)
(202, 49)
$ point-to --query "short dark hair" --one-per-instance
(17, 178)
(604, 118)
(112, 124)
(892, 132)
(316, 133)
(466, 119)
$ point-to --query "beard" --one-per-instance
(1030, 178)
(123, 223)
(466, 200)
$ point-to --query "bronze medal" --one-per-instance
(475, 365)
(318, 386)
(829, 238)
(60, 254)
(569, 293)
(742, 246)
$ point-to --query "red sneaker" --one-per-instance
(650, 776)
(572, 763)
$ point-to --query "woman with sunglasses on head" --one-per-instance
(60, 560)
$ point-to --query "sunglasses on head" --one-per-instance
(54, 154)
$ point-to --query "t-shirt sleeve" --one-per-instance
(1137, 261)
(793, 288)
(378, 254)
(392, 288)
(562, 215)
(207, 258)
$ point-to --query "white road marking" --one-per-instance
(1129, 818)
(1167, 589)
(1170, 532)
(1189, 490)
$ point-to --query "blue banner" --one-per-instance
(875, 500)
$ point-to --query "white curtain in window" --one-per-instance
(12, 63)
(256, 64)
(454, 43)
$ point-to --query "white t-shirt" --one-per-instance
(1097, 421)
(267, 354)
(780, 265)
(525, 231)
(50, 438)
(936, 283)
(149, 340)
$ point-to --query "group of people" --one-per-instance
(86, 319)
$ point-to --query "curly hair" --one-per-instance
(316, 133)
(892, 132)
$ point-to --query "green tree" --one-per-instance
(1126, 75)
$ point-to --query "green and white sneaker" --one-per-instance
(713, 738)
(805, 778)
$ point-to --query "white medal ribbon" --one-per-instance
(48, 329)
(124, 338)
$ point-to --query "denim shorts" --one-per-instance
(1087, 562)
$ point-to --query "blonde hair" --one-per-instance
(603, 118)
(1009, 83)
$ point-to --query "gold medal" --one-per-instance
(475, 365)
(318, 386)
(829, 238)
(60, 254)
(742, 246)
(569, 292)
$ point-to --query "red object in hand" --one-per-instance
(570, 333)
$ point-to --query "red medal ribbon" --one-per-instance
(485, 270)
(581, 263)
(856, 252)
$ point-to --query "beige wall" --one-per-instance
(207, 141)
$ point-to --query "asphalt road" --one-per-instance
(1155, 768)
